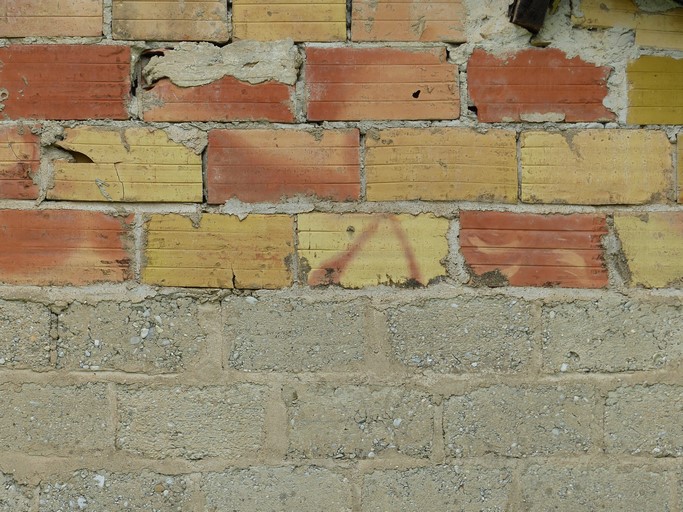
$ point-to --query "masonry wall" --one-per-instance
(368, 255)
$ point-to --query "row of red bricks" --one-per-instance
(78, 82)
(77, 247)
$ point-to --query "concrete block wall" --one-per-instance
(362, 256)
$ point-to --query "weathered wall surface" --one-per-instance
(369, 255)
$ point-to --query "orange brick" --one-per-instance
(62, 247)
(537, 85)
(219, 251)
(226, 99)
(50, 18)
(171, 20)
(408, 20)
(65, 81)
(300, 20)
(534, 250)
(268, 165)
(19, 161)
(380, 83)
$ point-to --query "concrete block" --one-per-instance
(463, 334)
(434, 489)
(159, 335)
(104, 490)
(192, 423)
(342, 84)
(219, 251)
(441, 164)
(51, 18)
(358, 422)
(63, 247)
(61, 81)
(19, 162)
(271, 165)
(24, 335)
(645, 420)
(608, 167)
(611, 334)
(520, 421)
(14, 497)
(305, 489)
(536, 85)
(356, 250)
(131, 164)
(294, 335)
(593, 488)
(52, 420)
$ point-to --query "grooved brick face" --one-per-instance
(226, 99)
(50, 18)
(186, 20)
(411, 20)
(268, 165)
(653, 92)
(346, 84)
(534, 250)
(62, 247)
(537, 85)
(65, 81)
(19, 160)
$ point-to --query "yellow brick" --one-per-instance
(653, 246)
(606, 13)
(664, 30)
(655, 93)
(356, 250)
(596, 167)
(222, 251)
(441, 164)
(171, 20)
(50, 18)
(133, 164)
(301, 20)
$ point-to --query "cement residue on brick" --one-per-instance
(24, 335)
(351, 422)
(463, 334)
(103, 490)
(193, 64)
(305, 489)
(645, 420)
(574, 489)
(611, 334)
(44, 420)
(14, 497)
(192, 423)
(158, 335)
(520, 421)
(294, 335)
(435, 489)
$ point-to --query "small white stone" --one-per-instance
(251, 300)
(100, 480)
(144, 332)
(397, 422)
(564, 367)
(82, 502)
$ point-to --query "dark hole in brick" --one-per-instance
(473, 109)
(416, 94)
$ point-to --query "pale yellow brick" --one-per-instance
(301, 20)
(219, 251)
(171, 20)
(50, 18)
(606, 13)
(134, 164)
(596, 167)
(356, 250)
(653, 247)
(441, 164)
(654, 94)
(662, 30)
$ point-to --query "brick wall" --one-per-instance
(369, 255)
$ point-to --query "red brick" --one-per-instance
(65, 81)
(268, 165)
(537, 82)
(380, 83)
(62, 247)
(534, 250)
(19, 161)
(226, 99)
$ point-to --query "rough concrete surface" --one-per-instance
(13, 496)
(454, 336)
(294, 335)
(24, 335)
